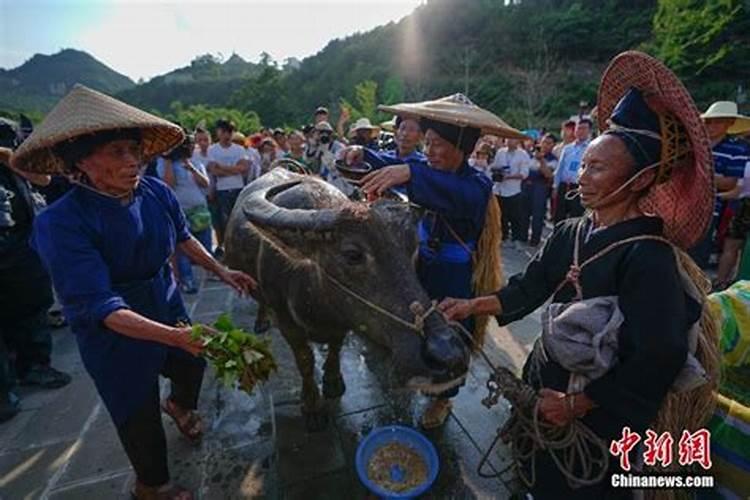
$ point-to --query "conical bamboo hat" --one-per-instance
(456, 109)
(86, 111)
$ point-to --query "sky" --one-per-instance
(143, 39)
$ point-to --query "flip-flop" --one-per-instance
(186, 422)
(431, 420)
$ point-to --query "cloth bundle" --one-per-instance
(582, 337)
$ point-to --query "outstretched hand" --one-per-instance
(456, 309)
(378, 182)
(243, 283)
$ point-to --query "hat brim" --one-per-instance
(86, 112)
(455, 114)
(685, 201)
(374, 131)
(741, 123)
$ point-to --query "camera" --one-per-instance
(497, 174)
(325, 138)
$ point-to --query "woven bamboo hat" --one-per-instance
(728, 109)
(684, 193)
(84, 111)
(457, 110)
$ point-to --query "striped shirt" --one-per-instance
(731, 157)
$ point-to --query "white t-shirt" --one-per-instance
(510, 163)
(227, 157)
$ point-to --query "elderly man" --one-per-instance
(566, 175)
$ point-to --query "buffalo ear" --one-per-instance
(417, 212)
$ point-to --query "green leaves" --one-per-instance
(239, 358)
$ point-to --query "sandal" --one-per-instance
(436, 413)
(168, 491)
(188, 422)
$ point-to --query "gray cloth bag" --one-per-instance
(582, 336)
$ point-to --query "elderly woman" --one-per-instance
(457, 198)
(647, 184)
(107, 244)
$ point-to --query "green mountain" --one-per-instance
(207, 80)
(530, 61)
(39, 83)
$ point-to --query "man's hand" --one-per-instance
(560, 409)
(378, 182)
(456, 309)
(459, 309)
(554, 407)
(243, 283)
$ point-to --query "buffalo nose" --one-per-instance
(446, 351)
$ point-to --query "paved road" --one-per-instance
(63, 445)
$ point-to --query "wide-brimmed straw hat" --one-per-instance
(363, 124)
(728, 109)
(458, 110)
(684, 193)
(85, 111)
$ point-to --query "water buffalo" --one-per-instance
(326, 266)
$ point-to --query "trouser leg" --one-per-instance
(7, 376)
(30, 338)
(516, 216)
(186, 375)
(524, 211)
(538, 209)
(142, 436)
(505, 216)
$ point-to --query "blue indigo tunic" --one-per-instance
(103, 255)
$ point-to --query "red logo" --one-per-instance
(658, 448)
(623, 446)
(695, 448)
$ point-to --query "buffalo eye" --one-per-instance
(353, 256)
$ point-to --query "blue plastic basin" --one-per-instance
(396, 433)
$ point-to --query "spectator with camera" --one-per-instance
(322, 150)
(509, 169)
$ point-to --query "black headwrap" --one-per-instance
(464, 138)
(78, 148)
(638, 127)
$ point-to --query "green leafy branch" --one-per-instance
(239, 358)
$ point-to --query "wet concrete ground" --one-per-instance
(63, 444)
